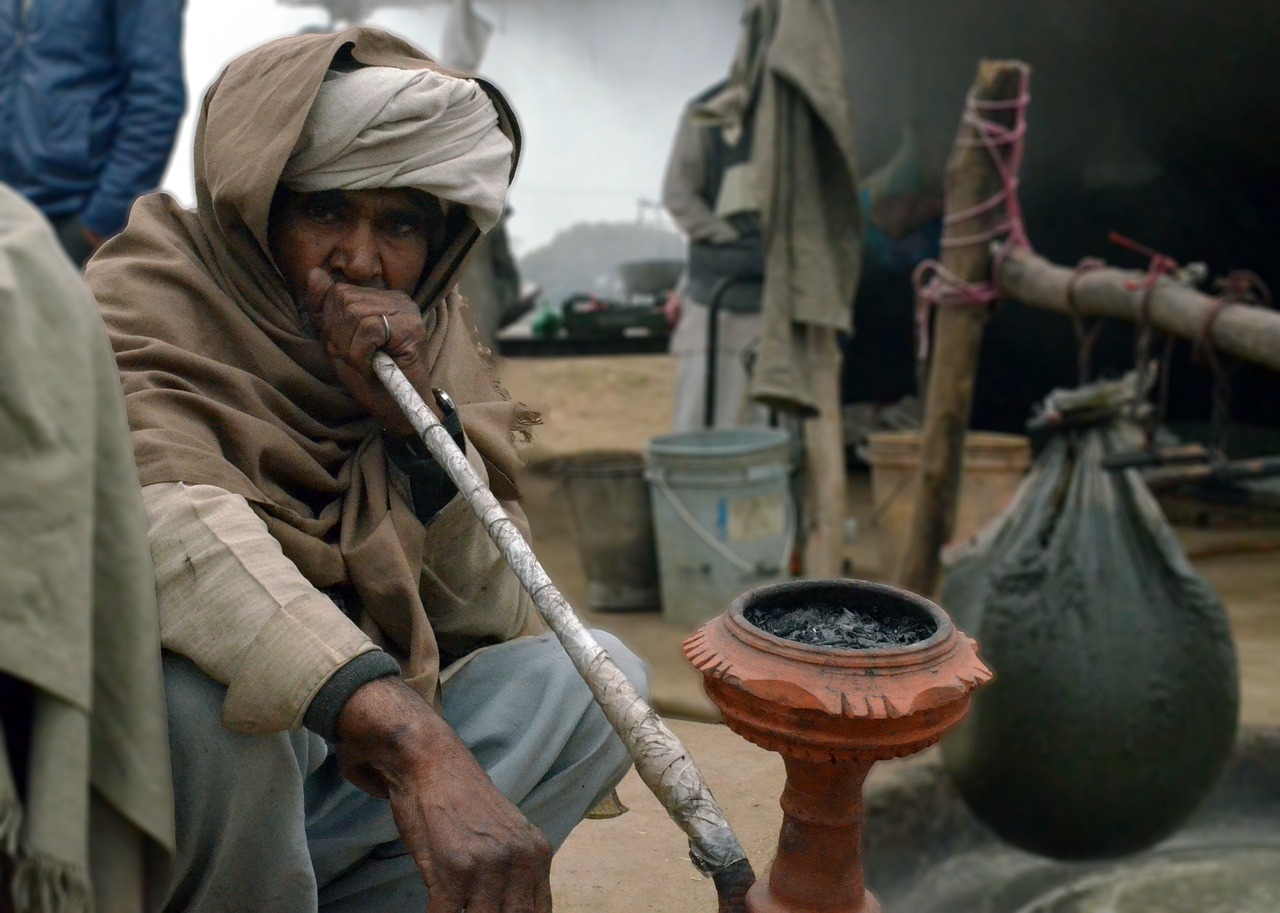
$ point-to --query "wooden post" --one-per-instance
(973, 179)
(824, 477)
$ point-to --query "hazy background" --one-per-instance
(1158, 127)
(598, 86)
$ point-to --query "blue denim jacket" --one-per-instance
(91, 92)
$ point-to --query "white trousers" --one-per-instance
(737, 334)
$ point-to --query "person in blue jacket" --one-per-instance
(91, 92)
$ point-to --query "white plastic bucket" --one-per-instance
(722, 516)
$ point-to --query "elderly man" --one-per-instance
(363, 710)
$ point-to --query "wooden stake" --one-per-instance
(973, 179)
(824, 477)
(1247, 332)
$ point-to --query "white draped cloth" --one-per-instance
(376, 127)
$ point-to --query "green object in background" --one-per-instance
(548, 324)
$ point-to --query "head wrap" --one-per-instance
(386, 127)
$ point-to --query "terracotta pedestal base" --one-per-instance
(831, 713)
(819, 862)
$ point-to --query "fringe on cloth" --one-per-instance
(42, 884)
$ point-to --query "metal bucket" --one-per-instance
(609, 512)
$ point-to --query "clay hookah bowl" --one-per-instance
(831, 713)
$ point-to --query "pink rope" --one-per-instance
(1240, 287)
(936, 286)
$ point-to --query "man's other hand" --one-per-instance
(476, 850)
(671, 308)
(350, 321)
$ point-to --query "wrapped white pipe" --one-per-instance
(660, 758)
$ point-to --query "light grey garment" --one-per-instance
(266, 822)
(738, 334)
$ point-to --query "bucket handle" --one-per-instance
(719, 547)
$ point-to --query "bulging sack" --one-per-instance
(1116, 692)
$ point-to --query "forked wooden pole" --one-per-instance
(974, 180)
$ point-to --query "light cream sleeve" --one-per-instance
(236, 606)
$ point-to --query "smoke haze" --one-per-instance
(598, 86)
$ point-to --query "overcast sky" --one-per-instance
(597, 84)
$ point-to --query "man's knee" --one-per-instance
(194, 701)
(614, 754)
(205, 752)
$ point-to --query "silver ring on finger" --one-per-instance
(387, 326)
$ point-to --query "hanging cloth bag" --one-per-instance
(1116, 695)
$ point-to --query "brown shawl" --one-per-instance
(225, 387)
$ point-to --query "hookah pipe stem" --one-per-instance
(660, 758)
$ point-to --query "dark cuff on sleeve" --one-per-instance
(322, 716)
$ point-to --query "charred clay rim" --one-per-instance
(884, 599)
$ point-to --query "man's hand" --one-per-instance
(671, 308)
(475, 849)
(350, 321)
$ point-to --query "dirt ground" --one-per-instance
(638, 861)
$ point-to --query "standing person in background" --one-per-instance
(91, 92)
(708, 193)
(491, 284)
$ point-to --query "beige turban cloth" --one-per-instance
(386, 127)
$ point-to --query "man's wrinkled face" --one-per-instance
(371, 238)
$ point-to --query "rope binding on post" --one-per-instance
(935, 285)
(1239, 287)
(1159, 266)
(1086, 336)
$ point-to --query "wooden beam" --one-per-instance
(1247, 332)
(973, 179)
(825, 484)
